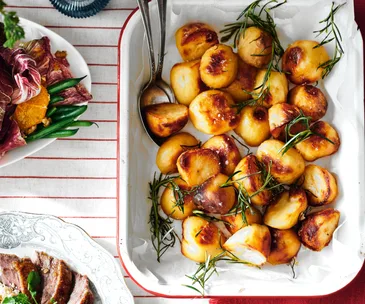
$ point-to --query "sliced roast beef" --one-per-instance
(15, 271)
(56, 279)
(81, 293)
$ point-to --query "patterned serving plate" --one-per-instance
(24, 233)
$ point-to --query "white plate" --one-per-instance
(317, 273)
(24, 233)
(78, 68)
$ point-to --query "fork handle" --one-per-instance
(143, 6)
(161, 5)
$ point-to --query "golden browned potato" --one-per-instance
(285, 245)
(316, 146)
(254, 47)
(310, 100)
(196, 166)
(211, 112)
(253, 216)
(279, 116)
(218, 66)
(317, 229)
(278, 87)
(253, 126)
(211, 198)
(251, 179)
(185, 81)
(284, 211)
(200, 239)
(193, 39)
(170, 206)
(301, 61)
(171, 149)
(244, 82)
(320, 185)
(165, 119)
(228, 153)
(285, 168)
(250, 244)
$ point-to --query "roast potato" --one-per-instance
(253, 126)
(285, 168)
(211, 112)
(197, 165)
(200, 239)
(279, 116)
(251, 244)
(171, 149)
(284, 211)
(254, 47)
(278, 87)
(310, 100)
(185, 81)
(169, 203)
(317, 146)
(285, 245)
(251, 179)
(317, 229)
(228, 153)
(165, 119)
(320, 185)
(211, 198)
(301, 61)
(244, 82)
(253, 216)
(218, 66)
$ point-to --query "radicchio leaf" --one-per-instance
(13, 139)
(6, 90)
(25, 74)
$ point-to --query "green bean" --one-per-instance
(55, 98)
(51, 111)
(82, 123)
(66, 109)
(63, 85)
(76, 112)
(62, 133)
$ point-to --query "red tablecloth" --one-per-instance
(354, 293)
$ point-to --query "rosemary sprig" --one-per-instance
(242, 144)
(293, 139)
(209, 218)
(331, 32)
(292, 265)
(180, 194)
(13, 31)
(163, 235)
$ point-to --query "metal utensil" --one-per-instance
(156, 90)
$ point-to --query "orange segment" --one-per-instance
(31, 112)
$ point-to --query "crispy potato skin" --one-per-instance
(320, 185)
(193, 39)
(244, 82)
(168, 202)
(285, 168)
(317, 229)
(301, 61)
(200, 238)
(218, 66)
(252, 42)
(211, 198)
(279, 116)
(284, 211)
(226, 149)
(171, 149)
(185, 81)
(278, 91)
(253, 126)
(252, 238)
(310, 100)
(236, 222)
(249, 167)
(316, 146)
(285, 245)
(165, 119)
(211, 112)
(197, 165)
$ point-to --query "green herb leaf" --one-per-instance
(53, 301)
(19, 299)
(33, 280)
